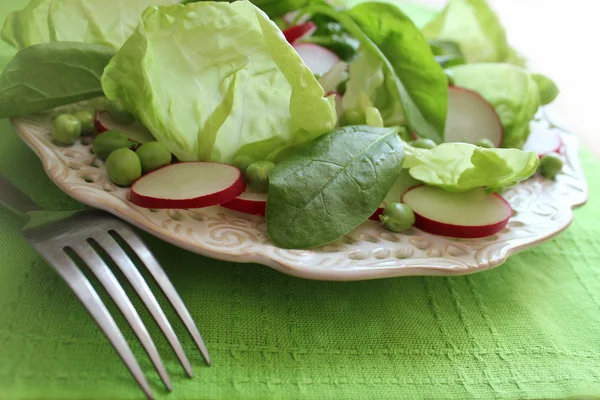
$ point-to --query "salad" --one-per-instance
(315, 114)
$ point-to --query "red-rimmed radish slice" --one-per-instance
(297, 32)
(473, 214)
(317, 58)
(543, 142)
(188, 185)
(249, 203)
(136, 132)
(471, 118)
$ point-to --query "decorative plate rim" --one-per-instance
(543, 210)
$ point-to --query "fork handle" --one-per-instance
(15, 199)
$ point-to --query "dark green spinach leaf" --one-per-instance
(408, 61)
(44, 76)
(332, 185)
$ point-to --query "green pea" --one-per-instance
(153, 155)
(397, 217)
(87, 119)
(67, 129)
(486, 143)
(117, 111)
(424, 144)
(257, 175)
(449, 77)
(551, 165)
(109, 141)
(352, 117)
(123, 167)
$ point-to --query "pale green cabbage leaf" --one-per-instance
(218, 82)
(476, 28)
(105, 22)
(460, 167)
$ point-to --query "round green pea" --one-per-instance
(153, 155)
(67, 129)
(424, 144)
(109, 141)
(257, 175)
(117, 111)
(87, 119)
(123, 167)
(352, 117)
(397, 217)
(551, 165)
(486, 143)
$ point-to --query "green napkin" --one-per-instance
(529, 329)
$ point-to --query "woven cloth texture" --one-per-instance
(529, 329)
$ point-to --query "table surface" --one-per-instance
(526, 330)
(558, 44)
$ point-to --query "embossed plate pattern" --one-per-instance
(543, 208)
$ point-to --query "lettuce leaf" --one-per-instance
(460, 167)
(510, 89)
(474, 26)
(218, 82)
(367, 77)
(273, 8)
(105, 22)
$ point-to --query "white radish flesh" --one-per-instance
(473, 214)
(249, 203)
(543, 141)
(317, 58)
(471, 118)
(135, 132)
(188, 185)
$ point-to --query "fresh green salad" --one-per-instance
(316, 114)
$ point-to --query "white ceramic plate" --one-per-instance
(543, 208)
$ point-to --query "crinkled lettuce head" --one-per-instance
(510, 89)
(106, 22)
(460, 167)
(474, 26)
(218, 82)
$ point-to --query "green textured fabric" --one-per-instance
(527, 330)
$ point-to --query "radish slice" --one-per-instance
(249, 203)
(473, 214)
(135, 132)
(297, 32)
(188, 185)
(471, 118)
(317, 58)
(543, 142)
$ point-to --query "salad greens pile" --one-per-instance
(218, 81)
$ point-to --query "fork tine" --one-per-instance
(99, 268)
(132, 274)
(142, 251)
(84, 291)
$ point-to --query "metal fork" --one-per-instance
(59, 235)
